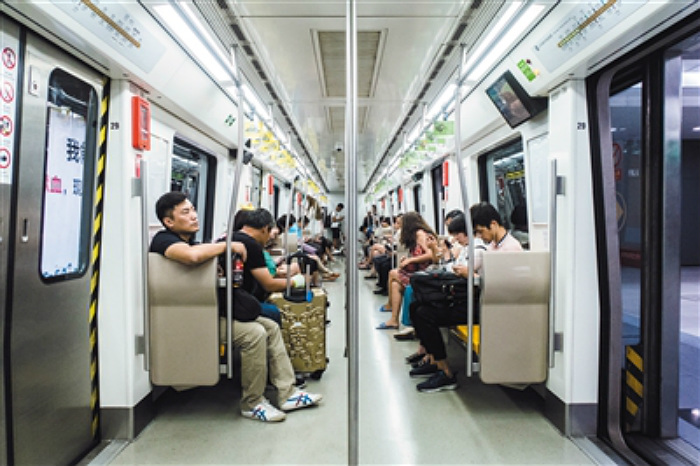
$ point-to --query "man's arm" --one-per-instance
(199, 253)
(267, 281)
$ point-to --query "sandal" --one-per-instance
(384, 326)
(383, 308)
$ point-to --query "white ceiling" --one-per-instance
(407, 51)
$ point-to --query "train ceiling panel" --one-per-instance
(296, 60)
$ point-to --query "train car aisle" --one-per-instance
(475, 424)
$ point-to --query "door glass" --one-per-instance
(68, 174)
(438, 199)
(189, 174)
(689, 341)
(505, 182)
(417, 195)
(626, 126)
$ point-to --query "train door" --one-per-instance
(50, 368)
(648, 167)
(9, 44)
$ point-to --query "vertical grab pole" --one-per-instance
(351, 202)
(232, 214)
(290, 206)
(391, 210)
(555, 190)
(465, 202)
(143, 173)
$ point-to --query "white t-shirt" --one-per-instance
(337, 219)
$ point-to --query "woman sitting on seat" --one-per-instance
(422, 245)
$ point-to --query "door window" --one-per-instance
(68, 177)
(503, 185)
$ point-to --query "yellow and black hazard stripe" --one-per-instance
(634, 385)
(97, 244)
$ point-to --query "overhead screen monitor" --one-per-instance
(514, 103)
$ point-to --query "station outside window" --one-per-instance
(69, 177)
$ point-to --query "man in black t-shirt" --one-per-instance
(176, 242)
(260, 341)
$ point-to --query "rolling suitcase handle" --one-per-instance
(305, 262)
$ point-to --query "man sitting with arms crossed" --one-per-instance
(260, 340)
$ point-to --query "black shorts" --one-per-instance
(335, 232)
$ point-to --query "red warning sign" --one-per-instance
(5, 158)
(7, 92)
(9, 58)
(6, 126)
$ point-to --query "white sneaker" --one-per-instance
(300, 400)
(265, 412)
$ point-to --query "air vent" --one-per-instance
(331, 61)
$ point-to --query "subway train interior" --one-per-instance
(583, 116)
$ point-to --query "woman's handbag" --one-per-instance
(439, 288)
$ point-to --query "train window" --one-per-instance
(68, 173)
(256, 186)
(193, 172)
(417, 194)
(502, 173)
(276, 201)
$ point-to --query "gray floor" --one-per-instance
(476, 424)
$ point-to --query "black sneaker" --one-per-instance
(426, 370)
(415, 357)
(421, 362)
(438, 382)
(300, 381)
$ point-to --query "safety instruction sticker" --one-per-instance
(9, 48)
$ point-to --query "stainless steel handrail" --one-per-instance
(465, 202)
(554, 187)
(232, 213)
(143, 173)
(351, 246)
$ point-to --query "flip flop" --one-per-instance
(384, 326)
(383, 308)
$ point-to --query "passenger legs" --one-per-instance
(251, 338)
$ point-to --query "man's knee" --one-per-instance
(247, 335)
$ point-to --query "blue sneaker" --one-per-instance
(300, 400)
(265, 412)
